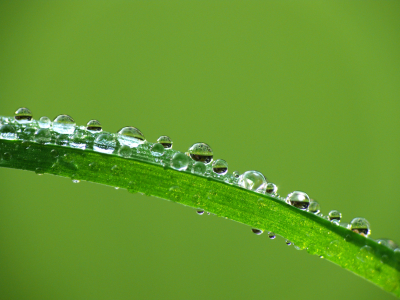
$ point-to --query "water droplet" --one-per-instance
(335, 215)
(130, 136)
(43, 136)
(179, 161)
(28, 134)
(271, 235)
(105, 143)
(54, 153)
(344, 224)
(157, 150)
(388, 243)
(298, 199)
(200, 212)
(165, 141)
(6, 156)
(256, 231)
(336, 222)
(253, 181)
(64, 124)
(365, 254)
(220, 167)
(236, 174)
(334, 249)
(39, 171)
(75, 181)
(271, 189)
(288, 242)
(361, 226)
(93, 126)
(62, 140)
(44, 122)
(314, 207)
(201, 152)
(8, 132)
(23, 115)
(125, 151)
(199, 168)
(79, 139)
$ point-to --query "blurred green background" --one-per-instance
(306, 92)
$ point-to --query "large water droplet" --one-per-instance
(165, 141)
(256, 231)
(8, 132)
(199, 168)
(335, 215)
(298, 199)
(131, 136)
(314, 207)
(23, 115)
(93, 126)
(201, 152)
(64, 124)
(361, 226)
(44, 122)
(253, 181)
(105, 143)
(157, 150)
(43, 136)
(220, 167)
(271, 189)
(179, 162)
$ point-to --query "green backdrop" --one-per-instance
(306, 92)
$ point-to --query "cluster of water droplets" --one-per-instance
(129, 142)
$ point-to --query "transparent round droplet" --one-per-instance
(39, 171)
(236, 174)
(256, 231)
(253, 181)
(79, 139)
(23, 115)
(165, 141)
(54, 153)
(8, 132)
(365, 253)
(64, 124)
(335, 215)
(298, 199)
(75, 181)
(220, 167)
(130, 136)
(360, 226)
(179, 161)
(200, 212)
(105, 143)
(201, 152)
(199, 168)
(271, 235)
(125, 151)
(288, 242)
(94, 126)
(43, 136)
(271, 189)
(388, 243)
(314, 207)
(44, 122)
(333, 249)
(157, 150)
(6, 156)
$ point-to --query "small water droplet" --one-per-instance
(220, 167)
(361, 226)
(388, 243)
(93, 126)
(6, 156)
(64, 124)
(365, 253)
(253, 181)
(314, 207)
(288, 242)
(75, 181)
(117, 187)
(62, 140)
(125, 151)
(8, 132)
(54, 153)
(336, 222)
(236, 174)
(179, 161)
(165, 141)
(28, 134)
(79, 139)
(334, 248)
(23, 115)
(43, 136)
(199, 168)
(200, 212)
(201, 152)
(44, 122)
(157, 150)
(105, 143)
(131, 136)
(271, 189)
(298, 199)
(335, 215)
(39, 171)
(256, 231)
